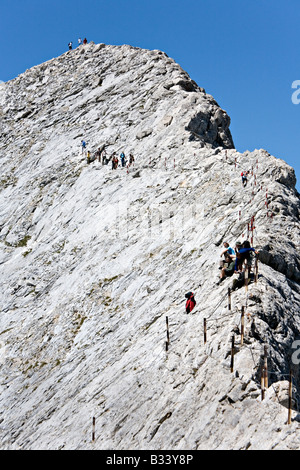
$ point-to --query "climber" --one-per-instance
(83, 146)
(97, 154)
(244, 252)
(100, 152)
(88, 158)
(247, 253)
(228, 268)
(131, 159)
(244, 175)
(70, 45)
(237, 247)
(238, 256)
(123, 161)
(114, 162)
(190, 303)
(85, 41)
(227, 251)
(79, 41)
(104, 159)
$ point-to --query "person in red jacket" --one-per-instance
(190, 303)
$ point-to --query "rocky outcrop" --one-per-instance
(93, 260)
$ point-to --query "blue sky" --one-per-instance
(244, 53)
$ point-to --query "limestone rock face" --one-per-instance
(93, 260)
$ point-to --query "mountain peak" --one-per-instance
(119, 92)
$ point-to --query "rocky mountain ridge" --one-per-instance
(93, 260)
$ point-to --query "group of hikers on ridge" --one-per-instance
(102, 157)
(115, 160)
(234, 262)
(80, 42)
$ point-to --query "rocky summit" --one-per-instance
(96, 348)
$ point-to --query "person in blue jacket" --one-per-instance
(122, 156)
(227, 251)
(244, 252)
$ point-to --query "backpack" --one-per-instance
(238, 281)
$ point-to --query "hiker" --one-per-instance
(104, 159)
(85, 41)
(114, 162)
(123, 161)
(97, 154)
(238, 257)
(243, 253)
(190, 303)
(238, 264)
(70, 46)
(244, 175)
(131, 159)
(228, 268)
(237, 248)
(247, 253)
(83, 147)
(88, 158)
(227, 251)
(79, 41)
